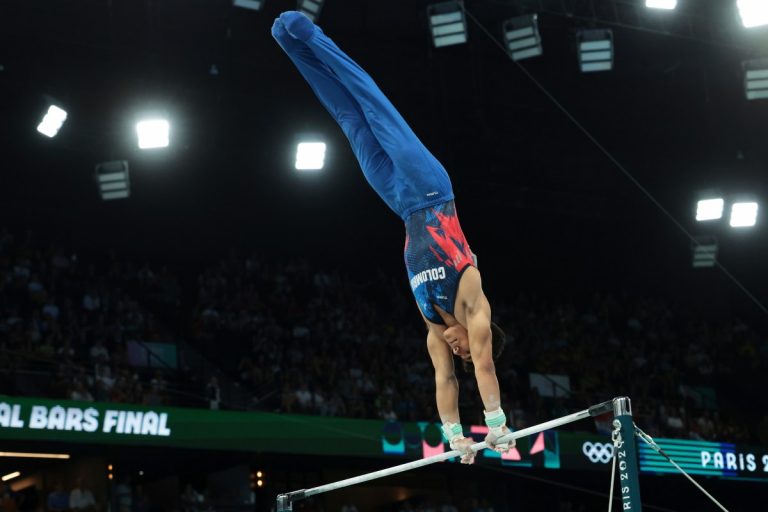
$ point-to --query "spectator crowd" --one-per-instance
(295, 337)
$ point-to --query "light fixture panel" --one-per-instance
(756, 79)
(522, 37)
(52, 121)
(310, 156)
(744, 215)
(153, 133)
(704, 251)
(661, 4)
(310, 8)
(596, 51)
(709, 209)
(113, 180)
(253, 5)
(447, 23)
(754, 13)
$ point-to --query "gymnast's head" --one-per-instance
(458, 340)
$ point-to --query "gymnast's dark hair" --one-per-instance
(498, 340)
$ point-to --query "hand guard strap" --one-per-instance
(452, 432)
(495, 420)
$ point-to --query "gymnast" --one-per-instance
(441, 268)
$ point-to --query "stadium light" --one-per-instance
(709, 209)
(754, 13)
(661, 4)
(52, 121)
(447, 23)
(253, 5)
(11, 476)
(743, 215)
(310, 156)
(311, 8)
(756, 79)
(113, 180)
(704, 251)
(522, 37)
(595, 49)
(153, 133)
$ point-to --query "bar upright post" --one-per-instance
(284, 504)
(626, 453)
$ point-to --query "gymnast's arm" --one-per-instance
(447, 394)
(446, 384)
(479, 330)
(478, 313)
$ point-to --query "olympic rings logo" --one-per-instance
(598, 452)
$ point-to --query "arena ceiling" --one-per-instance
(533, 189)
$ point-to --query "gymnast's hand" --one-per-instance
(455, 436)
(493, 435)
(464, 445)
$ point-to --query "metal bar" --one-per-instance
(629, 474)
(285, 501)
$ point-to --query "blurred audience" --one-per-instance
(81, 498)
(58, 498)
(296, 338)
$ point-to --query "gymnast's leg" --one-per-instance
(374, 161)
(421, 176)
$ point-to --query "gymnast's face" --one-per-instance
(457, 338)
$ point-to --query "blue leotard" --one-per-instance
(436, 255)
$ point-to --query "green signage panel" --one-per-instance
(65, 421)
(723, 460)
(121, 424)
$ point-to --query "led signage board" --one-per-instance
(63, 421)
(722, 460)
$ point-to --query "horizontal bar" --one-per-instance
(600, 409)
(447, 455)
